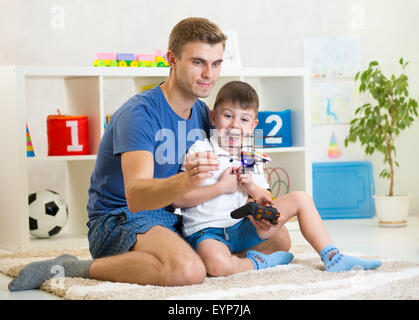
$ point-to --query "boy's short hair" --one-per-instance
(194, 29)
(238, 92)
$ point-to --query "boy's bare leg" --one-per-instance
(301, 204)
(219, 261)
(280, 241)
(160, 257)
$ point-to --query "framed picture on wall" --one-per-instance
(231, 56)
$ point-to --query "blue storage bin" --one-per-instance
(344, 189)
(276, 126)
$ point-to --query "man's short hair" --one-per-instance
(194, 29)
(238, 92)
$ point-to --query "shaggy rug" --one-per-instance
(304, 278)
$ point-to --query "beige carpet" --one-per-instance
(302, 279)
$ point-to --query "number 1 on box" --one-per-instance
(74, 136)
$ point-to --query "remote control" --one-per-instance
(257, 211)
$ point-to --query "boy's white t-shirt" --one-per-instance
(216, 212)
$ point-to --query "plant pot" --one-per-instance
(392, 211)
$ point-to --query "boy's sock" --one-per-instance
(35, 273)
(262, 261)
(334, 261)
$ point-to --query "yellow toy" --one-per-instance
(104, 59)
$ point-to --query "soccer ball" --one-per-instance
(48, 213)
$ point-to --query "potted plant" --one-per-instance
(376, 125)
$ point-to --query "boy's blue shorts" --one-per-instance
(116, 232)
(238, 238)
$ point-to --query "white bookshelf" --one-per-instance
(29, 94)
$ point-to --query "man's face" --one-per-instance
(198, 67)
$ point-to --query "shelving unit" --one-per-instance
(31, 93)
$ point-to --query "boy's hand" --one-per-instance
(264, 228)
(199, 166)
(245, 178)
(262, 225)
(228, 181)
(246, 181)
(264, 201)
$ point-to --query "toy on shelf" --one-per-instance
(68, 135)
(48, 213)
(148, 86)
(29, 147)
(257, 211)
(105, 59)
(108, 118)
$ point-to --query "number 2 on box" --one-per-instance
(278, 125)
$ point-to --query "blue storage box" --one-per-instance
(344, 189)
(276, 126)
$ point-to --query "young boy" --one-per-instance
(207, 224)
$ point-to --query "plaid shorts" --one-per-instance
(116, 232)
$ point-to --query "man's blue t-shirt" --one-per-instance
(145, 122)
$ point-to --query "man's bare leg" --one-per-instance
(159, 257)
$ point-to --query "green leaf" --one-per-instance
(376, 125)
(364, 76)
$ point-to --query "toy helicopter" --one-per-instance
(246, 154)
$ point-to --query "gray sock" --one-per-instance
(77, 268)
(35, 273)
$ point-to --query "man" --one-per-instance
(134, 236)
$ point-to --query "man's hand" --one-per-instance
(199, 166)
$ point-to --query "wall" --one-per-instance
(270, 33)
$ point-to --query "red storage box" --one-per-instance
(68, 135)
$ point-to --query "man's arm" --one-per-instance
(228, 183)
(143, 192)
(198, 196)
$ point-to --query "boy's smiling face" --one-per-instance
(232, 123)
